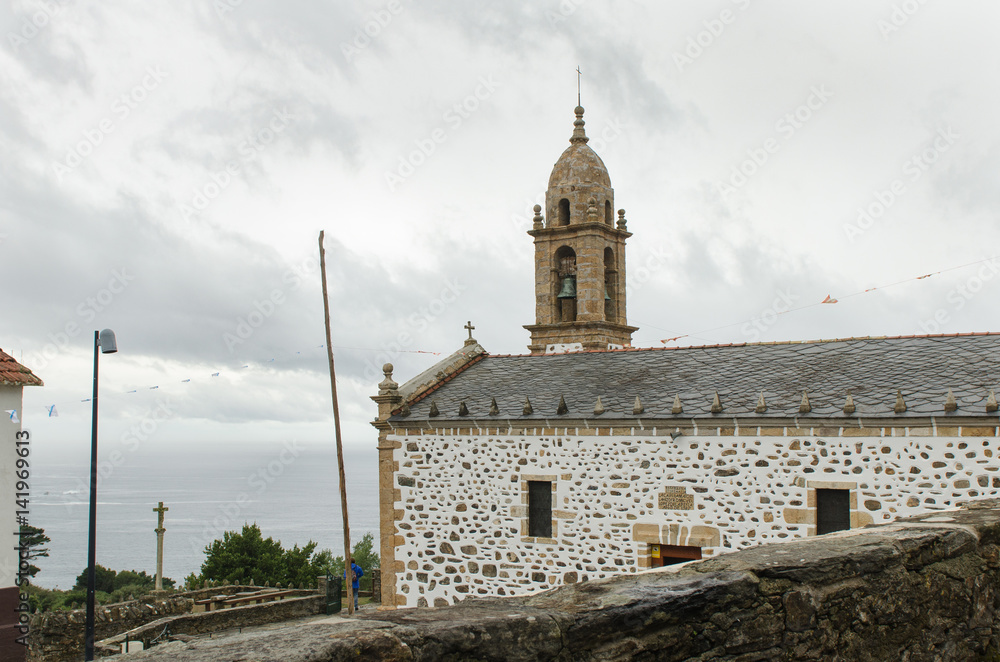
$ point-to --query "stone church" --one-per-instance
(585, 458)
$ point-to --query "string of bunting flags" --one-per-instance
(52, 410)
(829, 300)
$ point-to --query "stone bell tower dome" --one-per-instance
(579, 256)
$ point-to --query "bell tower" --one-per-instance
(579, 256)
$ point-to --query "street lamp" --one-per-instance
(105, 340)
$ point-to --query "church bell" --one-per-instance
(568, 288)
(606, 297)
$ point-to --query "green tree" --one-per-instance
(119, 585)
(35, 540)
(365, 555)
(104, 579)
(246, 555)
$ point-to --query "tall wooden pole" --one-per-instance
(336, 425)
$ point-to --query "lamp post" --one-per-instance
(105, 341)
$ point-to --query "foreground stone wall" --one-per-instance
(56, 636)
(460, 497)
(921, 589)
(59, 635)
(219, 620)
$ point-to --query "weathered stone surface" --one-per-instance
(914, 590)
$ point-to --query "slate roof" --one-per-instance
(922, 368)
(13, 373)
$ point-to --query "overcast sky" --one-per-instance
(167, 168)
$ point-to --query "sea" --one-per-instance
(290, 490)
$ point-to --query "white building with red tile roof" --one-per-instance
(13, 378)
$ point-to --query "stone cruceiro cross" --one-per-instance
(159, 546)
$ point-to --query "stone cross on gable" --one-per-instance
(470, 340)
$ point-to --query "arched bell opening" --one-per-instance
(609, 214)
(564, 301)
(563, 218)
(610, 283)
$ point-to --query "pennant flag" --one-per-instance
(672, 339)
(85, 400)
(185, 381)
(135, 390)
(828, 299)
(215, 374)
(246, 366)
(13, 415)
(153, 387)
(52, 411)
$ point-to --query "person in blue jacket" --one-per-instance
(356, 574)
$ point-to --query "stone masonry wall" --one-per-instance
(58, 635)
(461, 504)
(924, 589)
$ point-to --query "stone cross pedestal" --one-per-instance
(159, 546)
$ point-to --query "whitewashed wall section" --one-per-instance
(462, 500)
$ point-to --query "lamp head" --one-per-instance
(106, 341)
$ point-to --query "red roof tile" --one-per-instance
(12, 372)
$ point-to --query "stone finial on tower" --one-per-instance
(387, 386)
(538, 222)
(592, 210)
(579, 135)
(622, 223)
